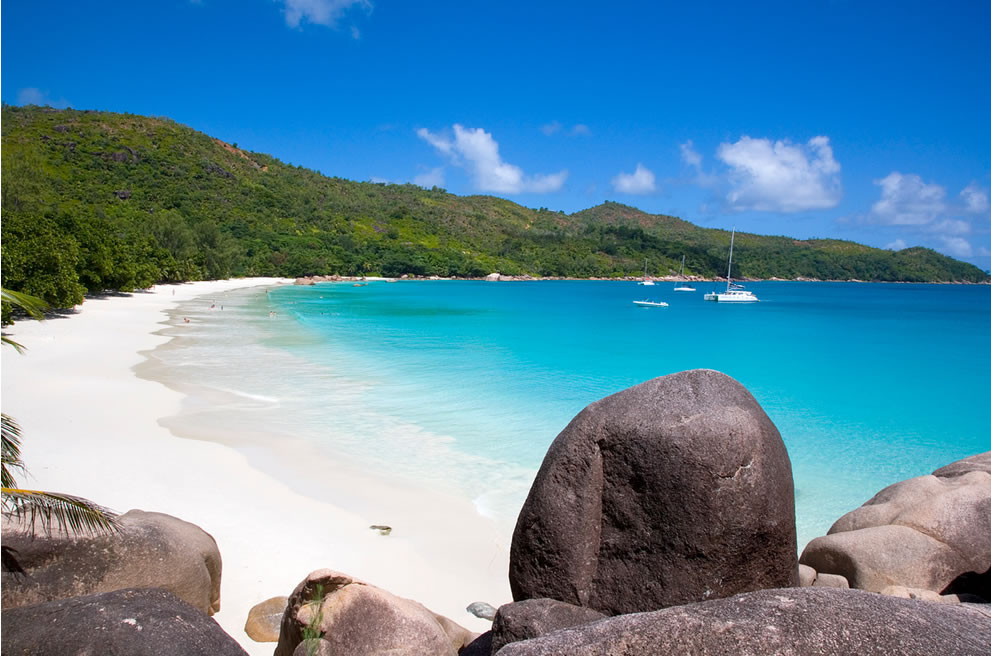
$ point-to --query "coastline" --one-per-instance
(93, 427)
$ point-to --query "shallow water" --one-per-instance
(463, 385)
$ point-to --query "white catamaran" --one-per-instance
(734, 293)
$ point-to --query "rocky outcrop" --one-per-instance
(356, 618)
(929, 533)
(265, 619)
(149, 622)
(795, 621)
(533, 618)
(673, 491)
(153, 551)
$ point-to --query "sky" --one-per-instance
(857, 120)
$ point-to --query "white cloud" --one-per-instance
(907, 200)
(440, 143)
(476, 150)
(957, 246)
(320, 12)
(640, 181)
(781, 176)
(690, 156)
(579, 129)
(33, 96)
(896, 245)
(975, 198)
(431, 178)
(950, 227)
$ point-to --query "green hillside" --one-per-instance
(96, 201)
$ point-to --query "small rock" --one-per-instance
(533, 618)
(831, 581)
(265, 619)
(482, 610)
(381, 528)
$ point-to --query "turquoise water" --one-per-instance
(465, 384)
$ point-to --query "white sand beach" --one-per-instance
(91, 428)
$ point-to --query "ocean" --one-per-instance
(462, 385)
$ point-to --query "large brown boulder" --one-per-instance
(153, 551)
(673, 491)
(355, 618)
(794, 621)
(136, 622)
(931, 532)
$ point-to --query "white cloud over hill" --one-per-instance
(475, 150)
(779, 176)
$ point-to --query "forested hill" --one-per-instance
(97, 201)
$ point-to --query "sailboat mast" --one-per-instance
(729, 268)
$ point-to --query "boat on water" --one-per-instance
(646, 280)
(650, 303)
(683, 286)
(735, 293)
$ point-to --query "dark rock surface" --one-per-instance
(480, 646)
(789, 622)
(533, 618)
(673, 491)
(133, 622)
(154, 551)
(930, 533)
(355, 618)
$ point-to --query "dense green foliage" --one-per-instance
(97, 201)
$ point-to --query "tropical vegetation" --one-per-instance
(96, 201)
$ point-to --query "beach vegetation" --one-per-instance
(96, 201)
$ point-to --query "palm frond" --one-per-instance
(73, 515)
(20, 348)
(30, 304)
(10, 453)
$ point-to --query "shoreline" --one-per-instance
(498, 277)
(79, 397)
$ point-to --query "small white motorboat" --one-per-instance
(650, 303)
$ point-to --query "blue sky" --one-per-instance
(855, 120)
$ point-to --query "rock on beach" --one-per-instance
(674, 491)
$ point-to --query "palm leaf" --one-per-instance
(33, 305)
(11, 450)
(73, 515)
(30, 304)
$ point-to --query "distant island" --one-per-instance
(98, 201)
